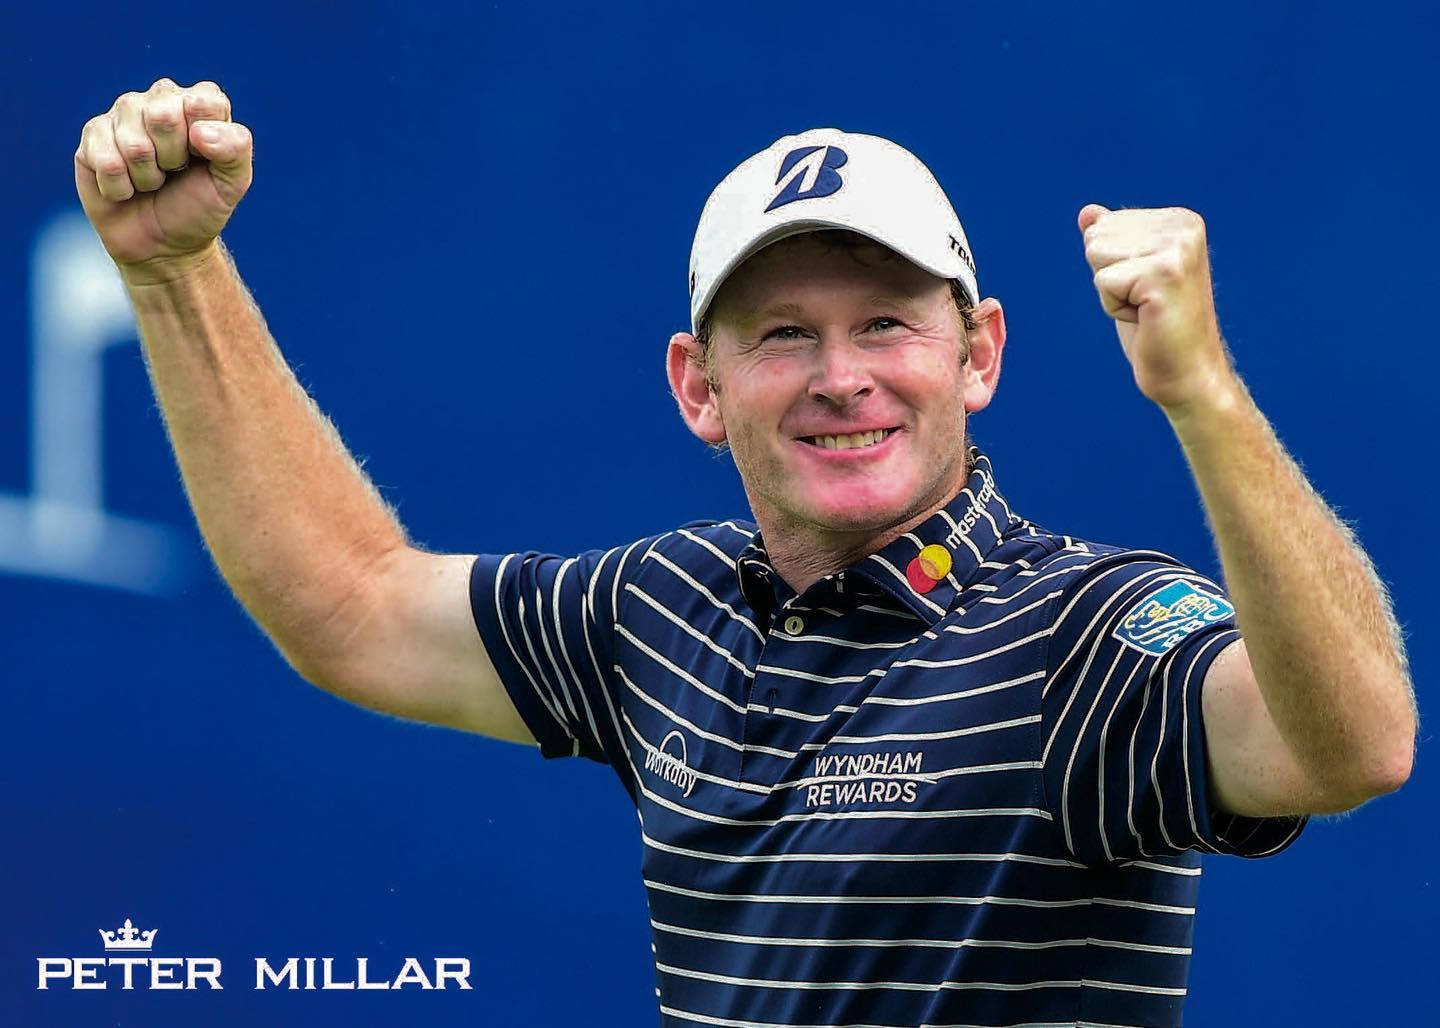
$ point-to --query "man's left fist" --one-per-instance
(1152, 271)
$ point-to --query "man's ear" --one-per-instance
(981, 374)
(685, 367)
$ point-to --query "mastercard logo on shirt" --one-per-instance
(928, 568)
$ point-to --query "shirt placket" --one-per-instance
(769, 736)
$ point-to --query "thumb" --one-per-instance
(229, 149)
(1090, 213)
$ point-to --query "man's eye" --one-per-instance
(785, 332)
(881, 324)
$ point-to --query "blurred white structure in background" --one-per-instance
(61, 529)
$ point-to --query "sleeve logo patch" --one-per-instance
(1167, 615)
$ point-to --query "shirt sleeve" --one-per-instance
(548, 623)
(1124, 740)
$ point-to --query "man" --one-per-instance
(900, 756)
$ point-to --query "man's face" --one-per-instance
(814, 343)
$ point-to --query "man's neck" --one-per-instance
(802, 554)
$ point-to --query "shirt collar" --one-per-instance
(912, 569)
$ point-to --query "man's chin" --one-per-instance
(870, 515)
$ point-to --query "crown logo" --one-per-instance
(128, 937)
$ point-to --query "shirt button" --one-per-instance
(794, 624)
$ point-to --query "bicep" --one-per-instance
(414, 650)
(1252, 770)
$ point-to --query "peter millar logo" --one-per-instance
(156, 972)
(127, 971)
(670, 762)
(128, 937)
(812, 173)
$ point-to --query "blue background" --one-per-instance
(469, 231)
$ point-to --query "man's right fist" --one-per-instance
(159, 174)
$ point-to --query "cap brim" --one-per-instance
(795, 228)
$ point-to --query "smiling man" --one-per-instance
(838, 373)
(900, 755)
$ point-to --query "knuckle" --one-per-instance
(136, 151)
(219, 95)
(206, 98)
(164, 115)
(163, 85)
(110, 165)
(1190, 220)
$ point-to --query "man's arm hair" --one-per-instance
(297, 529)
(1313, 712)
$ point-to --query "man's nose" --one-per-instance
(842, 372)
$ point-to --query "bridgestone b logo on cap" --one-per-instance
(811, 172)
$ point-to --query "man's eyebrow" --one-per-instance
(898, 302)
(792, 310)
(784, 309)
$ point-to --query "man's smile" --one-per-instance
(873, 441)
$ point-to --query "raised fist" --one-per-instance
(1152, 273)
(159, 174)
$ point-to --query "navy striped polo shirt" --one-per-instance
(910, 795)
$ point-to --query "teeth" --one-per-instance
(852, 441)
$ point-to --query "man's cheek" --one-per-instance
(926, 370)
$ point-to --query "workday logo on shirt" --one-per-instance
(670, 761)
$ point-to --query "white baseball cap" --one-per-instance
(825, 178)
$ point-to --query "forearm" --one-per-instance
(292, 522)
(1317, 624)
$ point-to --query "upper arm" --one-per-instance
(1252, 770)
(1125, 757)
(411, 648)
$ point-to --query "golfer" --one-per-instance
(900, 756)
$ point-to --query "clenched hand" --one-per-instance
(1152, 273)
(159, 175)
